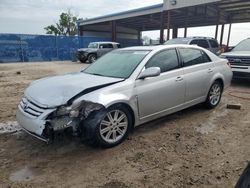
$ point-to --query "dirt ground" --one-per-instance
(192, 148)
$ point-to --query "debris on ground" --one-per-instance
(9, 127)
(234, 106)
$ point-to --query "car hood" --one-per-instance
(237, 53)
(58, 90)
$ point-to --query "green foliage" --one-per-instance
(65, 26)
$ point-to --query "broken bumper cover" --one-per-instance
(31, 125)
(51, 121)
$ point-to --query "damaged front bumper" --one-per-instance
(49, 121)
(33, 125)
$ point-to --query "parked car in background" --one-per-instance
(95, 50)
(210, 44)
(239, 58)
(121, 90)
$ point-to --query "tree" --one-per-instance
(65, 26)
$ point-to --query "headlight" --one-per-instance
(71, 111)
(85, 108)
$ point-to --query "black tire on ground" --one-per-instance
(99, 138)
(214, 95)
(82, 61)
(92, 58)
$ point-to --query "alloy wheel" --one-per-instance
(215, 94)
(114, 126)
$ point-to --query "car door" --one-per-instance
(198, 71)
(157, 95)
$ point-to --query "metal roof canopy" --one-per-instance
(181, 14)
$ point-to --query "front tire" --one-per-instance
(92, 58)
(214, 95)
(82, 61)
(114, 127)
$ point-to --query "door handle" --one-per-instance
(178, 79)
(210, 70)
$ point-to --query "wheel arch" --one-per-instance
(92, 53)
(218, 77)
(221, 81)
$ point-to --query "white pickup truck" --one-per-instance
(239, 58)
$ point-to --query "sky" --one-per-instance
(31, 16)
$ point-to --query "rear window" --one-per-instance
(177, 41)
(200, 42)
(214, 44)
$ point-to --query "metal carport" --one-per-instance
(172, 14)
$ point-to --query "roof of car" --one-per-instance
(105, 42)
(150, 48)
(195, 37)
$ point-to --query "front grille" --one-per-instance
(242, 61)
(241, 75)
(31, 108)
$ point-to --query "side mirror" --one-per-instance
(150, 72)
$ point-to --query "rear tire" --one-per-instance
(214, 95)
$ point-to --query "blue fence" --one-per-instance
(25, 48)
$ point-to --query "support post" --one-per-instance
(185, 31)
(222, 33)
(139, 38)
(175, 32)
(229, 34)
(217, 25)
(113, 24)
(216, 32)
(186, 22)
(168, 25)
(162, 28)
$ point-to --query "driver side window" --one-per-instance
(166, 60)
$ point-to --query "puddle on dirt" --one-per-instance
(9, 127)
(24, 174)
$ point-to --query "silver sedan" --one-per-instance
(121, 90)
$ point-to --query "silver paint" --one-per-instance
(149, 98)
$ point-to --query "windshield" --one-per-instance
(93, 45)
(118, 64)
(243, 46)
(177, 41)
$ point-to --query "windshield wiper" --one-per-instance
(96, 74)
